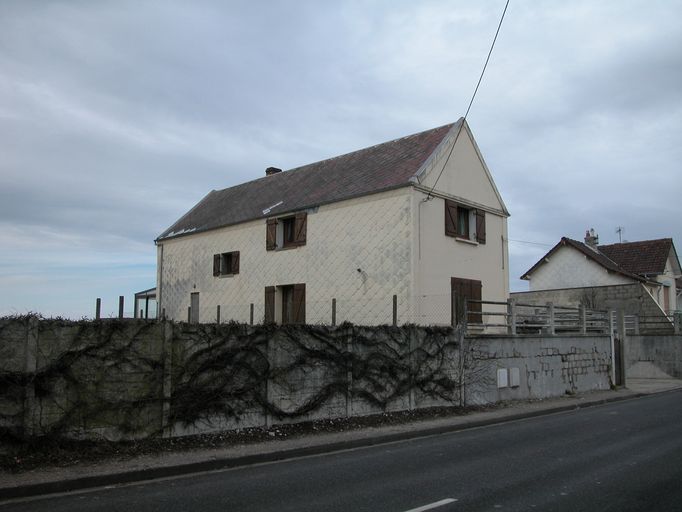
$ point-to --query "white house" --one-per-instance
(418, 218)
(653, 264)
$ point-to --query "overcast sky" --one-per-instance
(117, 117)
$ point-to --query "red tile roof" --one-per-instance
(644, 258)
(367, 171)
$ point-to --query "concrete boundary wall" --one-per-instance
(654, 357)
(123, 379)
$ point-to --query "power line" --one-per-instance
(529, 243)
(480, 79)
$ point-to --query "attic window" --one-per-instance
(226, 264)
(464, 223)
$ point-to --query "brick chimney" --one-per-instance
(272, 170)
(591, 238)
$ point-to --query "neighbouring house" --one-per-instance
(417, 222)
(639, 278)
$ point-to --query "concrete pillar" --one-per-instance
(623, 346)
(511, 316)
(31, 427)
(166, 386)
(582, 314)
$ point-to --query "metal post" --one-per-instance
(511, 316)
(395, 310)
(120, 306)
(582, 314)
(189, 314)
(251, 316)
(98, 308)
(217, 314)
(146, 307)
(333, 312)
(612, 332)
(453, 310)
(550, 310)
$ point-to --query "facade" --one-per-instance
(651, 265)
(418, 218)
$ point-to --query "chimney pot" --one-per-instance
(591, 238)
(272, 170)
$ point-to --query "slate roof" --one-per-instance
(594, 255)
(374, 169)
(644, 258)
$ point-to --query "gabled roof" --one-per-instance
(594, 255)
(644, 258)
(374, 169)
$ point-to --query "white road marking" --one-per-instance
(433, 505)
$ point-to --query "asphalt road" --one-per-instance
(621, 456)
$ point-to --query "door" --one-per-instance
(460, 291)
(194, 308)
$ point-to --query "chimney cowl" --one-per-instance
(272, 170)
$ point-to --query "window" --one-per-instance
(285, 304)
(464, 223)
(285, 232)
(226, 264)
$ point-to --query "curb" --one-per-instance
(140, 475)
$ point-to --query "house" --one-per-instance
(417, 220)
(638, 277)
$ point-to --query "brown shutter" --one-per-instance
(475, 294)
(300, 228)
(450, 218)
(480, 226)
(299, 304)
(271, 235)
(269, 316)
(235, 263)
(216, 264)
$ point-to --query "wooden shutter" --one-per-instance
(480, 227)
(271, 235)
(234, 262)
(474, 307)
(269, 316)
(300, 228)
(216, 264)
(463, 289)
(450, 218)
(298, 316)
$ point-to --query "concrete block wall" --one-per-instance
(654, 357)
(549, 366)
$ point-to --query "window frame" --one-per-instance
(226, 264)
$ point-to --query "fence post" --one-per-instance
(678, 323)
(251, 314)
(612, 329)
(217, 314)
(333, 312)
(189, 314)
(121, 299)
(98, 308)
(465, 319)
(453, 310)
(582, 314)
(395, 310)
(511, 316)
(550, 311)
